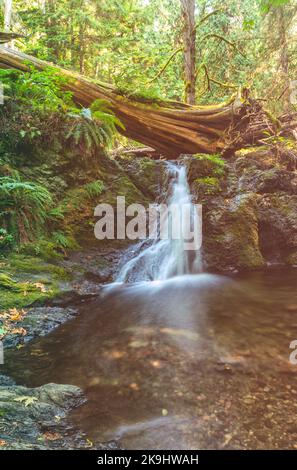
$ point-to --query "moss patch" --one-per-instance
(205, 166)
(25, 280)
(206, 186)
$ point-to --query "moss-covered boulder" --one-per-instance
(230, 235)
(203, 166)
(249, 207)
(146, 174)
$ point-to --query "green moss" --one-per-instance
(249, 150)
(211, 165)
(10, 299)
(28, 264)
(25, 280)
(123, 186)
(207, 186)
(94, 188)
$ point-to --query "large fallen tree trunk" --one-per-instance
(169, 127)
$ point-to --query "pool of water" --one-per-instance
(197, 361)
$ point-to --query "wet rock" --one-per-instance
(249, 209)
(27, 416)
(6, 381)
(268, 181)
(35, 418)
(231, 239)
(148, 175)
(39, 321)
(277, 215)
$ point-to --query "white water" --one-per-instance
(166, 258)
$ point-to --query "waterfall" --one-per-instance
(166, 258)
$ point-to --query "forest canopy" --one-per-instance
(182, 50)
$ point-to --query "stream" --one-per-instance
(177, 358)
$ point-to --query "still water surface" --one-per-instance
(196, 361)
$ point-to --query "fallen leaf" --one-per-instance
(89, 442)
(40, 286)
(19, 331)
(228, 438)
(51, 436)
(26, 400)
(134, 386)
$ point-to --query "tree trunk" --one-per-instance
(189, 38)
(7, 15)
(82, 48)
(284, 57)
(52, 29)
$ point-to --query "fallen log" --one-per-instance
(171, 128)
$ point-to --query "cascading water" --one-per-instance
(166, 258)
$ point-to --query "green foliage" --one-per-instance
(93, 128)
(23, 207)
(267, 4)
(33, 111)
(128, 43)
(6, 240)
(95, 188)
(64, 241)
(211, 165)
(41, 89)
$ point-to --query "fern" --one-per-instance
(93, 128)
(23, 207)
(94, 189)
(64, 241)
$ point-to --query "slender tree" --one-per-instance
(7, 15)
(189, 38)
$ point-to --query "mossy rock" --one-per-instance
(278, 226)
(203, 166)
(231, 238)
(271, 180)
(146, 174)
(25, 280)
(205, 187)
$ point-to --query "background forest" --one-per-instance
(143, 45)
